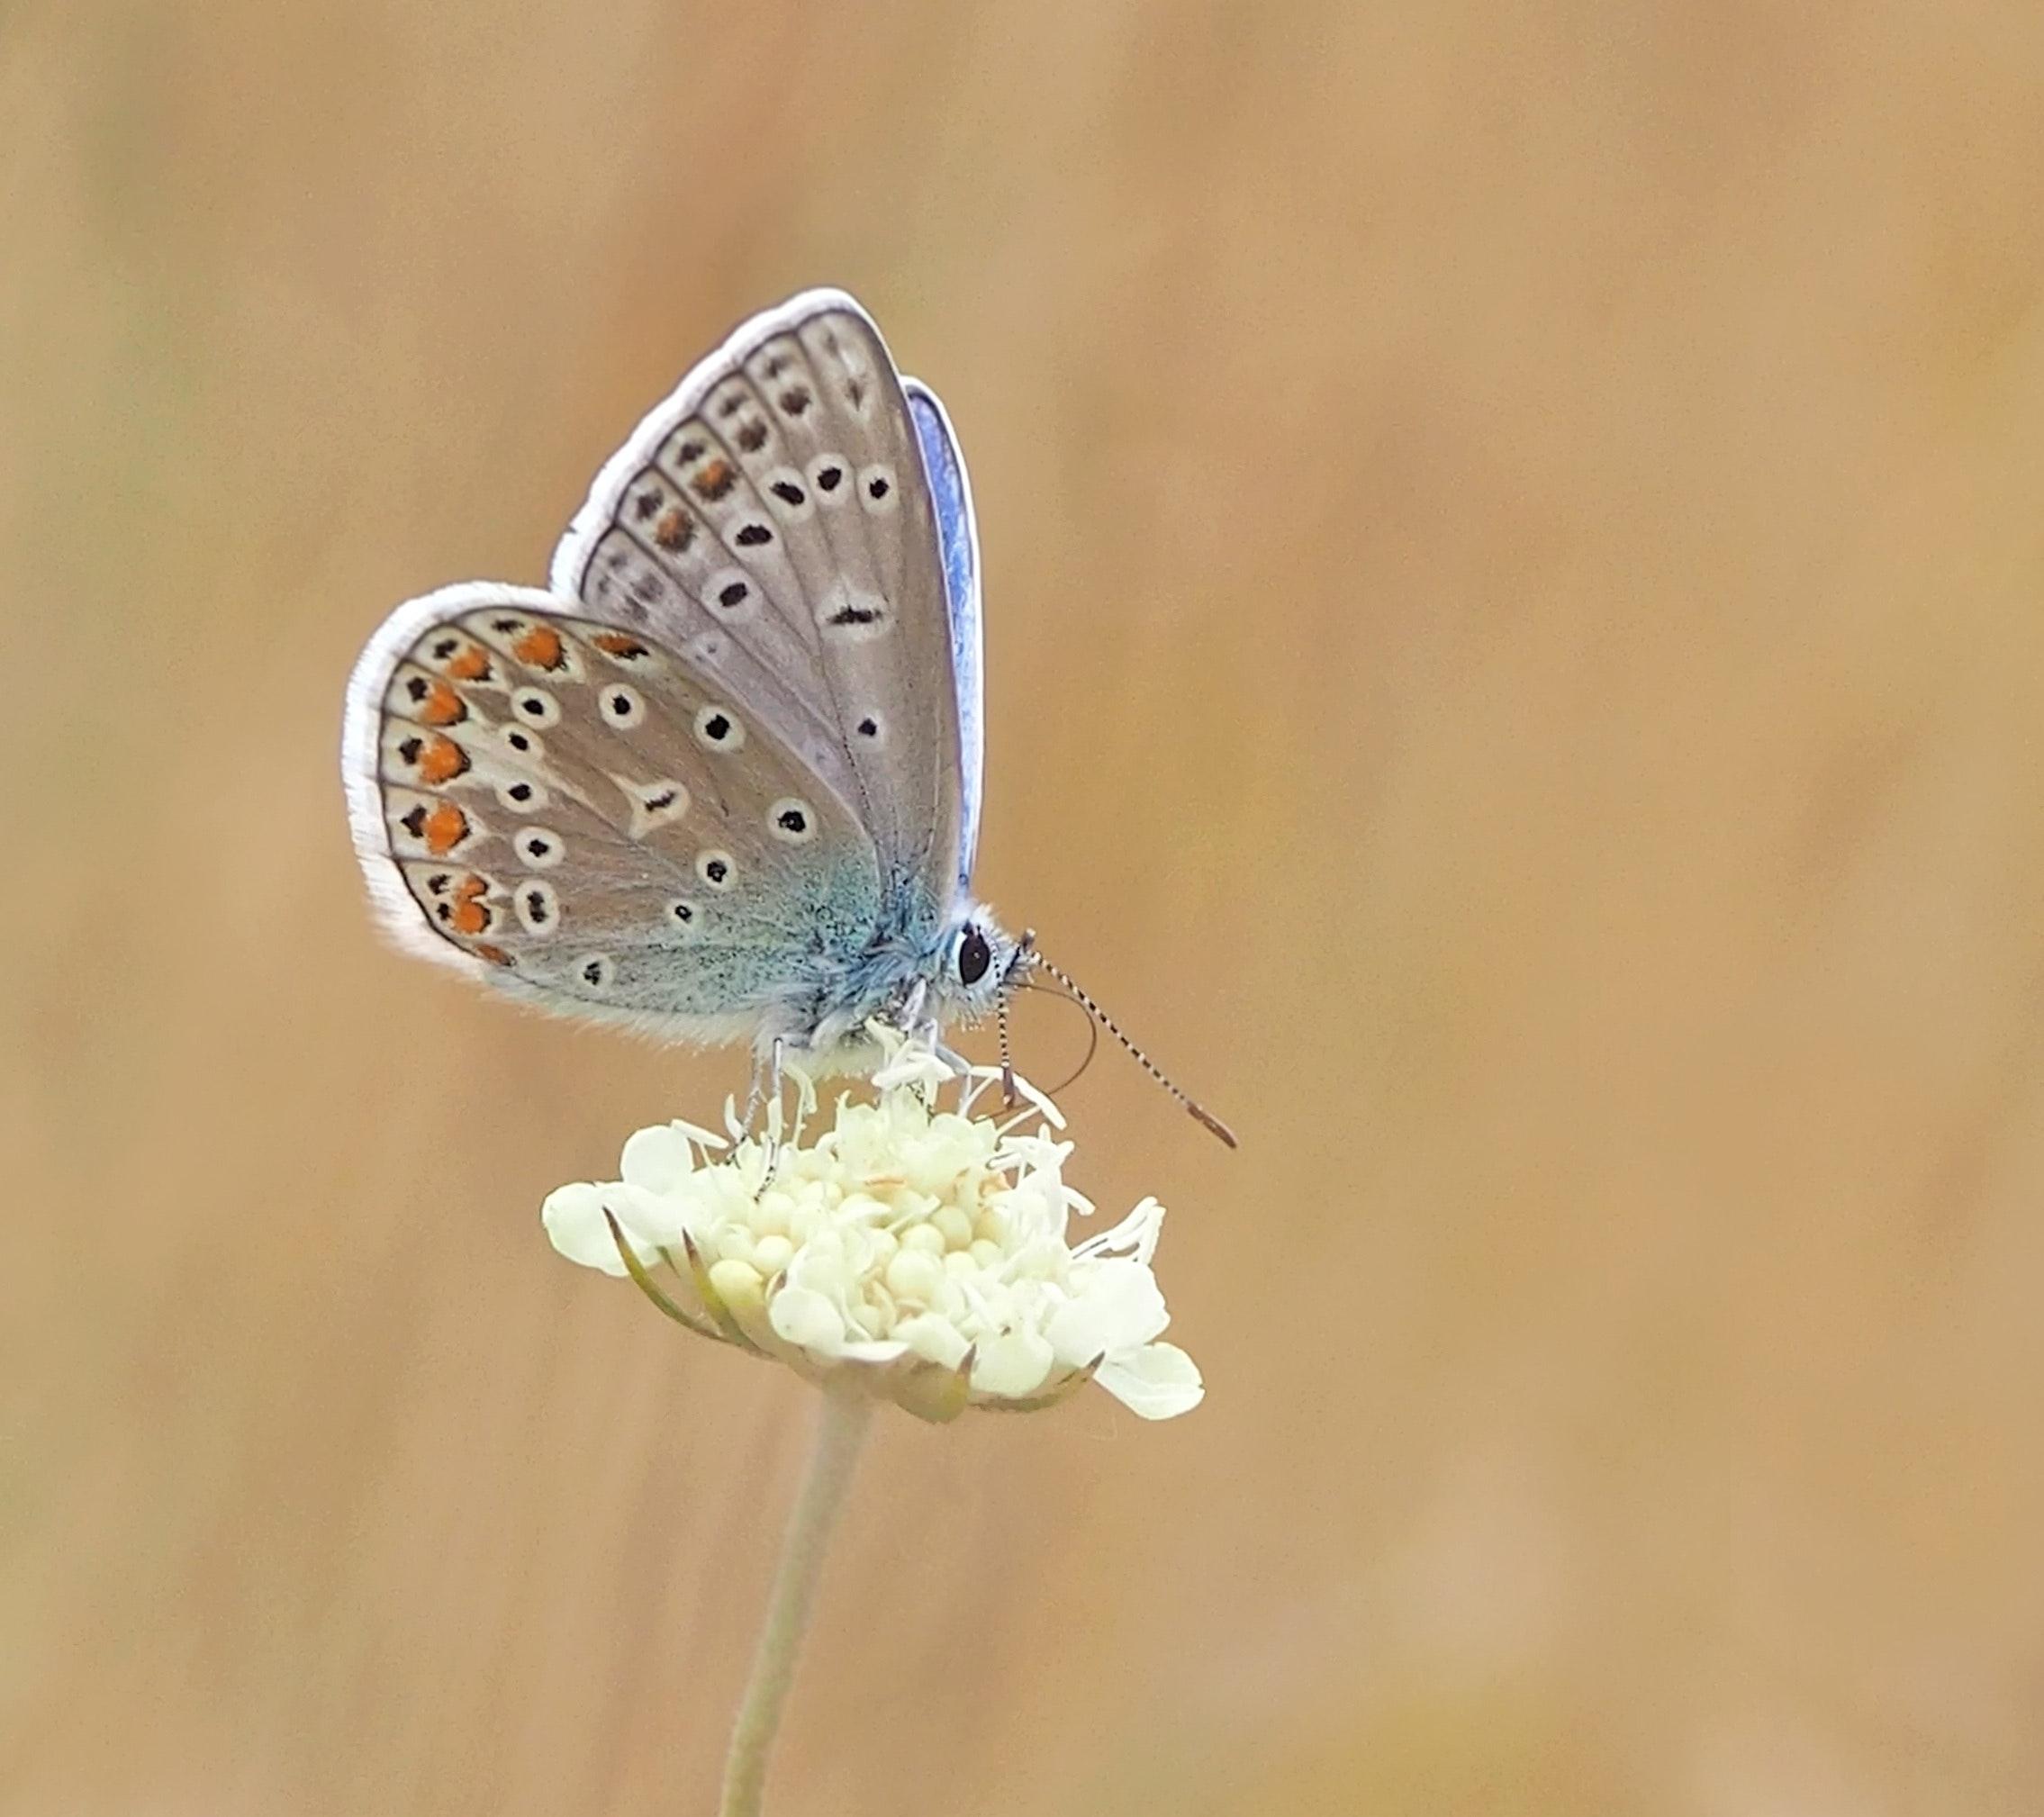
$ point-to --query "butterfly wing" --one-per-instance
(774, 522)
(581, 815)
(958, 543)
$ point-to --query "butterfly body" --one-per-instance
(721, 779)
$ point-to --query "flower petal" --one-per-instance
(936, 1340)
(1136, 1234)
(1040, 1102)
(574, 1219)
(801, 1316)
(1157, 1382)
(913, 1064)
(1116, 1306)
(650, 1219)
(659, 1158)
(1012, 1363)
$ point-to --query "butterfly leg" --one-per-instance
(911, 1018)
(766, 1086)
(763, 1111)
(918, 1026)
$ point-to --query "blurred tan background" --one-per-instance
(1515, 543)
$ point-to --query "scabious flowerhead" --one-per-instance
(924, 1249)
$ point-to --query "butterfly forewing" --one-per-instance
(771, 523)
(585, 814)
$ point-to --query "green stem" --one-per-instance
(833, 1454)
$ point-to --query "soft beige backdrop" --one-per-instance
(1515, 555)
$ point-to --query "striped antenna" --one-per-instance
(1028, 955)
(1006, 1050)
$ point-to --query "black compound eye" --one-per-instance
(974, 955)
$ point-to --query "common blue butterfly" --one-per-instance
(722, 778)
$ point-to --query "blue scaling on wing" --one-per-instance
(959, 541)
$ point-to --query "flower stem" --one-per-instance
(840, 1426)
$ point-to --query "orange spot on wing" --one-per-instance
(541, 647)
(496, 956)
(473, 665)
(442, 706)
(441, 761)
(617, 643)
(468, 913)
(715, 480)
(674, 531)
(445, 828)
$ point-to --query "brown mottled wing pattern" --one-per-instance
(772, 522)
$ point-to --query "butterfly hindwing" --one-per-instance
(773, 523)
(582, 814)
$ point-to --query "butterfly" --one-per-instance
(722, 779)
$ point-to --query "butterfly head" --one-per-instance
(980, 963)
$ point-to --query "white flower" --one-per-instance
(924, 1248)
